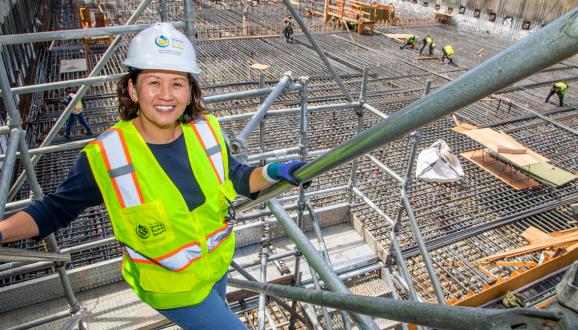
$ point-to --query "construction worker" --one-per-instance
(166, 177)
(448, 52)
(559, 88)
(410, 41)
(428, 41)
(77, 114)
(288, 28)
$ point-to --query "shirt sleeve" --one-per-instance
(58, 209)
(66, 100)
(239, 174)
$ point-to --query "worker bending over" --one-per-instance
(559, 88)
(410, 41)
(428, 41)
(448, 52)
(288, 28)
(167, 179)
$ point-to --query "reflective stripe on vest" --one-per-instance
(120, 168)
(182, 257)
(208, 139)
(127, 189)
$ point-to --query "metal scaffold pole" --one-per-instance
(314, 259)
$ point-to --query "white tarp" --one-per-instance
(438, 164)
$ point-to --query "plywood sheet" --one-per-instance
(74, 65)
(259, 66)
(493, 139)
(503, 171)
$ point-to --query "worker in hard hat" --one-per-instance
(448, 52)
(166, 177)
(288, 28)
(559, 88)
(410, 41)
(428, 41)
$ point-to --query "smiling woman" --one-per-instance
(158, 100)
(167, 179)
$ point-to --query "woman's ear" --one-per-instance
(132, 92)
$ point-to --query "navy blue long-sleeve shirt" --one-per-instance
(80, 191)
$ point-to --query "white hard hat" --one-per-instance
(162, 47)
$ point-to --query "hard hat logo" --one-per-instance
(162, 41)
(162, 47)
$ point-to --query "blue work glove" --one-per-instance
(284, 171)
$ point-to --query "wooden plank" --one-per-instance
(398, 35)
(503, 171)
(455, 118)
(510, 150)
(535, 235)
(516, 264)
(543, 245)
(519, 280)
(480, 51)
(422, 58)
(492, 139)
(462, 127)
(259, 66)
(530, 151)
(564, 232)
(544, 304)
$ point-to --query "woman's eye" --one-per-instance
(178, 85)
(154, 83)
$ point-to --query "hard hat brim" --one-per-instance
(145, 65)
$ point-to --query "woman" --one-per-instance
(166, 177)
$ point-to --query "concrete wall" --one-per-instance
(514, 19)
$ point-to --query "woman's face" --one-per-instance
(162, 97)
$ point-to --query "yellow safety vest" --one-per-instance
(428, 40)
(172, 256)
(449, 50)
(562, 86)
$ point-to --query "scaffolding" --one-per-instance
(521, 60)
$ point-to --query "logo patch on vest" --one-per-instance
(142, 232)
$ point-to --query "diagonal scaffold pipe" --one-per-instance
(549, 45)
(315, 260)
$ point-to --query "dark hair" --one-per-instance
(69, 90)
(128, 109)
